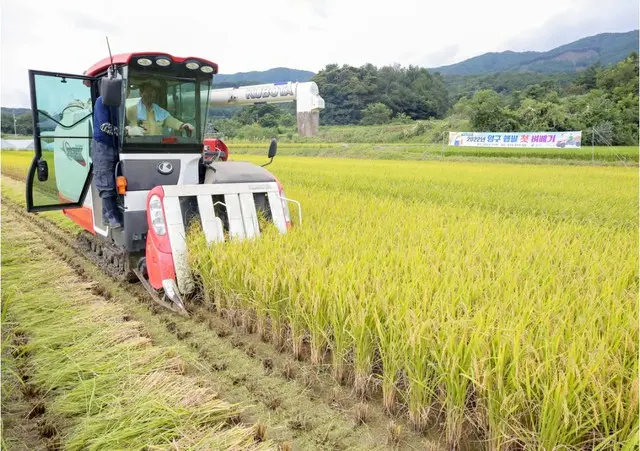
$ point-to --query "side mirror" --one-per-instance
(111, 91)
(273, 148)
(43, 170)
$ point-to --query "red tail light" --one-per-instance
(160, 266)
(158, 233)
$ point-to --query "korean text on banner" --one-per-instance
(517, 140)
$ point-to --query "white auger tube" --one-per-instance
(306, 94)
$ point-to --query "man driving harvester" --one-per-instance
(147, 117)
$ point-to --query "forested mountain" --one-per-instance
(605, 48)
(600, 96)
(275, 75)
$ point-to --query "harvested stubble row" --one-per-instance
(103, 384)
(500, 299)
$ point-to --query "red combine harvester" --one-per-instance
(164, 180)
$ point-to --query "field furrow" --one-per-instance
(86, 374)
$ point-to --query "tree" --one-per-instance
(348, 90)
(24, 124)
(254, 114)
(488, 115)
(536, 92)
(268, 120)
(402, 118)
(376, 114)
(540, 116)
(7, 122)
(287, 120)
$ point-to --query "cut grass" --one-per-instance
(104, 385)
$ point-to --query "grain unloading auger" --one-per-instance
(165, 178)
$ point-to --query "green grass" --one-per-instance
(503, 296)
(435, 151)
(415, 132)
(415, 141)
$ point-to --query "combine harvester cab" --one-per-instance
(167, 173)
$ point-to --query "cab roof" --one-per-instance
(125, 58)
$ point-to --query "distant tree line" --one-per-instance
(596, 97)
(498, 102)
(23, 125)
(357, 94)
(602, 97)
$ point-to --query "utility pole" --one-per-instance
(15, 132)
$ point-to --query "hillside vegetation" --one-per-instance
(413, 105)
(602, 96)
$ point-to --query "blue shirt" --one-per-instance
(105, 124)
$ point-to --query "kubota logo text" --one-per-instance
(270, 91)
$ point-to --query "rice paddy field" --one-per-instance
(494, 303)
(495, 298)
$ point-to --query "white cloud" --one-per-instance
(244, 35)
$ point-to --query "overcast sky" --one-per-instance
(69, 36)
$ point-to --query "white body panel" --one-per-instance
(137, 200)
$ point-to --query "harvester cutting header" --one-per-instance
(165, 173)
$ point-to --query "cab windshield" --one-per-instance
(161, 109)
